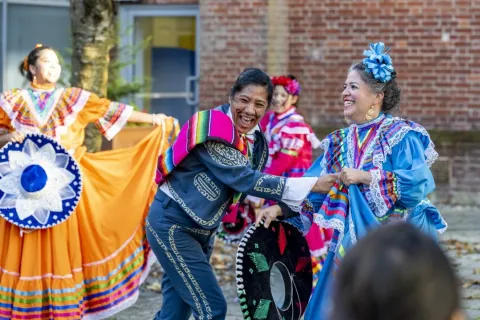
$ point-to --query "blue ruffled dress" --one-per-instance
(398, 154)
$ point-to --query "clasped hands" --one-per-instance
(347, 177)
(324, 183)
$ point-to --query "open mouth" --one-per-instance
(348, 103)
(246, 121)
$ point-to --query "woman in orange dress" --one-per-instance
(91, 265)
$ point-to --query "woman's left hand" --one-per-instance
(158, 118)
(354, 176)
(270, 214)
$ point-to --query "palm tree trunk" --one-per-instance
(93, 36)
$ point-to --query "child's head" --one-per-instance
(396, 272)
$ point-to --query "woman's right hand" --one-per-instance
(14, 136)
(325, 183)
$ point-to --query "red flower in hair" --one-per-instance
(291, 86)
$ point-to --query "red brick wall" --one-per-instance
(435, 46)
(233, 38)
(440, 79)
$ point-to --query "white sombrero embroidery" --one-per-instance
(40, 183)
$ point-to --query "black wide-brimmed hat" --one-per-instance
(40, 182)
(274, 272)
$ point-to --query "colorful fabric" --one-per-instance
(201, 127)
(290, 143)
(234, 226)
(398, 154)
(208, 125)
(317, 263)
(113, 120)
(59, 110)
(91, 265)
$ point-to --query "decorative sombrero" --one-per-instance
(40, 183)
(274, 272)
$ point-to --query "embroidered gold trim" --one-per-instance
(278, 191)
(264, 156)
(192, 214)
(206, 186)
(177, 268)
(188, 272)
(203, 232)
(225, 155)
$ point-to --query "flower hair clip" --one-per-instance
(292, 86)
(378, 62)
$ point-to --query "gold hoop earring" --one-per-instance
(347, 121)
(34, 80)
(369, 115)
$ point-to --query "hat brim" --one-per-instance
(262, 255)
(56, 200)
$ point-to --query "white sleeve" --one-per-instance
(296, 190)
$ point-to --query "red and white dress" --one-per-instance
(290, 143)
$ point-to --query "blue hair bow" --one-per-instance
(378, 62)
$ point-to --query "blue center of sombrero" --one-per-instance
(34, 178)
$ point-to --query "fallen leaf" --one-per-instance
(155, 286)
(470, 283)
(156, 274)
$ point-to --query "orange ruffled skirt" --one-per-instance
(91, 266)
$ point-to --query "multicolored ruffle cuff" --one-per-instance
(384, 191)
(114, 119)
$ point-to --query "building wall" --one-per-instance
(234, 36)
(435, 47)
(169, 1)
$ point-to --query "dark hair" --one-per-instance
(291, 76)
(31, 61)
(253, 76)
(390, 89)
(396, 272)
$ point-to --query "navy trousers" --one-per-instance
(183, 249)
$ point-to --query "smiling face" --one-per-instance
(358, 98)
(282, 100)
(248, 106)
(47, 68)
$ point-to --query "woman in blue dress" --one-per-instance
(383, 164)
